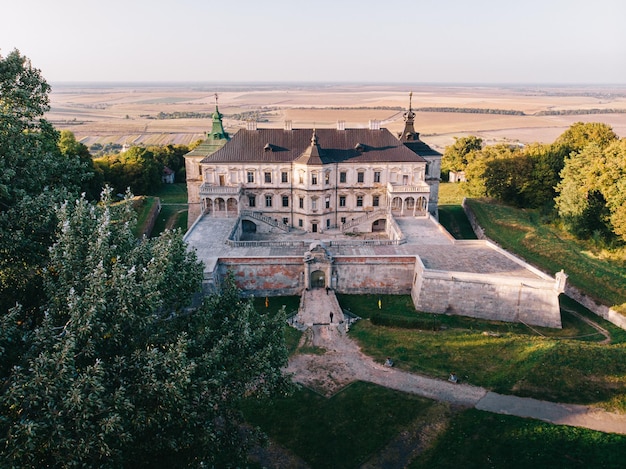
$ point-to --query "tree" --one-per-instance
(580, 201)
(135, 168)
(581, 134)
(34, 177)
(455, 156)
(612, 183)
(118, 374)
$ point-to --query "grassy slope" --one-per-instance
(522, 232)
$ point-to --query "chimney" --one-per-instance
(287, 125)
(251, 125)
(341, 125)
(374, 124)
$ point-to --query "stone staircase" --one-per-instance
(316, 306)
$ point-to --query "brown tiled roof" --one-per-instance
(333, 146)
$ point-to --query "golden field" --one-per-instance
(108, 113)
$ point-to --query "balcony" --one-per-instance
(419, 188)
(207, 189)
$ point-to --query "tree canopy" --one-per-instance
(35, 175)
(102, 361)
(118, 374)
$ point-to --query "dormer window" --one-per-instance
(267, 147)
(359, 147)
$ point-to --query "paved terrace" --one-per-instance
(425, 238)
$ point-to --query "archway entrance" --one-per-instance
(318, 279)
(379, 225)
(248, 226)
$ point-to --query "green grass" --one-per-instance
(566, 365)
(522, 232)
(172, 193)
(478, 439)
(525, 233)
(453, 219)
(558, 370)
(143, 206)
(340, 432)
(171, 217)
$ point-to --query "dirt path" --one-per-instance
(342, 362)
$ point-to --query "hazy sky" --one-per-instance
(441, 41)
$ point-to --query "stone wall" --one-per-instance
(532, 301)
(601, 310)
(385, 275)
(260, 276)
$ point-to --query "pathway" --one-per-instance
(343, 362)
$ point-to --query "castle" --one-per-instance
(353, 210)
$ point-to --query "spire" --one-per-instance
(409, 133)
(313, 154)
(217, 130)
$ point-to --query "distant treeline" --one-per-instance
(259, 116)
(577, 112)
(182, 115)
(470, 110)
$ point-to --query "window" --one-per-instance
(252, 201)
(376, 176)
(342, 200)
(343, 220)
(301, 202)
(326, 178)
(405, 180)
(359, 201)
(314, 179)
(285, 201)
(327, 223)
(268, 200)
(360, 177)
(268, 177)
(376, 201)
(250, 176)
(284, 177)
(285, 221)
(300, 224)
(314, 227)
(327, 202)
(314, 204)
(301, 177)
(342, 177)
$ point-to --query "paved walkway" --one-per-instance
(343, 363)
(425, 238)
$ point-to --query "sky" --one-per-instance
(371, 41)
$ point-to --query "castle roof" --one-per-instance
(216, 138)
(326, 146)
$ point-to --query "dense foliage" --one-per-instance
(117, 374)
(581, 175)
(38, 169)
(141, 168)
(102, 364)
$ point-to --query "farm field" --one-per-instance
(127, 113)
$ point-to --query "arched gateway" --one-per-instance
(318, 267)
(318, 279)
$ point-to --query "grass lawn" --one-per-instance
(340, 432)
(550, 249)
(566, 365)
(478, 439)
(172, 193)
